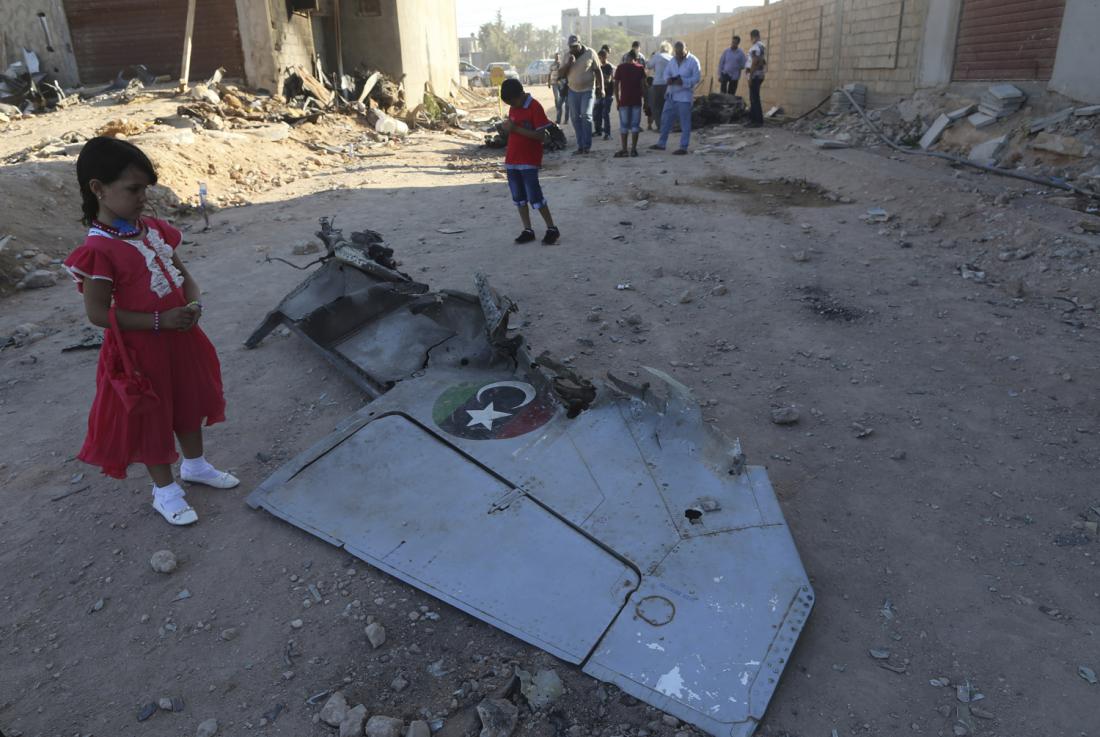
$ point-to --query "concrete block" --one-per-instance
(1005, 91)
(1085, 111)
(1051, 120)
(963, 112)
(986, 152)
(981, 120)
(935, 131)
(1063, 145)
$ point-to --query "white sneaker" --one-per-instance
(173, 506)
(208, 476)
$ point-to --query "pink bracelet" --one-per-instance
(156, 322)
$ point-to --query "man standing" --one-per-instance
(657, 64)
(604, 96)
(731, 66)
(582, 71)
(554, 84)
(629, 88)
(758, 66)
(682, 73)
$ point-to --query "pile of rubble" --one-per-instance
(1003, 129)
(716, 109)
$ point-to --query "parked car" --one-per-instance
(474, 77)
(538, 72)
(509, 70)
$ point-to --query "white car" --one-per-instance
(538, 72)
(509, 70)
(474, 77)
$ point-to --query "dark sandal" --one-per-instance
(526, 236)
(621, 154)
(551, 237)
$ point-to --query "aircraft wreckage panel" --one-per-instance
(607, 524)
(394, 496)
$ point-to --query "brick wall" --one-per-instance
(878, 45)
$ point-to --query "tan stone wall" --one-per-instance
(878, 45)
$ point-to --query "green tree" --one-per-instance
(547, 42)
(496, 42)
(615, 37)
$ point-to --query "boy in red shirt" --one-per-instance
(526, 128)
(629, 89)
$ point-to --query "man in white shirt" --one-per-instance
(758, 66)
(682, 73)
(656, 65)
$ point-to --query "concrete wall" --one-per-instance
(271, 42)
(815, 46)
(415, 41)
(20, 28)
(1077, 66)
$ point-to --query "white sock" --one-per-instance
(173, 489)
(197, 466)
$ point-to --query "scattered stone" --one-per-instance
(861, 431)
(296, 624)
(146, 710)
(306, 248)
(981, 713)
(687, 297)
(898, 455)
(335, 709)
(229, 634)
(207, 728)
(785, 415)
(981, 120)
(419, 728)
(641, 205)
(163, 561)
(542, 689)
(1087, 673)
(670, 720)
(801, 256)
(352, 726)
(720, 291)
(827, 143)
(165, 704)
(376, 633)
(1062, 145)
(97, 606)
(879, 654)
(37, 279)
(380, 726)
(498, 717)
(399, 684)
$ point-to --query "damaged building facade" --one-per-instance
(896, 47)
(78, 41)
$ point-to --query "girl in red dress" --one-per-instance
(128, 265)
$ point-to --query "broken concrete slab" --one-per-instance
(469, 439)
(935, 131)
(1082, 112)
(1063, 145)
(962, 112)
(981, 120)
(986, 153)
(1051, 120)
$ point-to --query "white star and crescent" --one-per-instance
(485, 417)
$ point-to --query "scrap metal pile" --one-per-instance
(603, 522)
(716, 109)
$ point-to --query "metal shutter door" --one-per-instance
(110, 35)
(1007, 39)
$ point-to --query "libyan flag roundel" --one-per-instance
(493, 411)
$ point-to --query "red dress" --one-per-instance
(182, 366)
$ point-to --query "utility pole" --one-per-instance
(185, 65)
(589, 22)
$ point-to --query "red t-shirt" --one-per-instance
(631, 78)
(524, 151)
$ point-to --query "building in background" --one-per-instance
(638, 27)
(678, 26)
(469, 51)
(90, 41)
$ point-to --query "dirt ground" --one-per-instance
(961, 331)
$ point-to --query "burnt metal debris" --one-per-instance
(605, 523)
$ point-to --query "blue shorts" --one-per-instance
(525, 187)
(630, 119)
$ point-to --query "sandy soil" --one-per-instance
(953, 535)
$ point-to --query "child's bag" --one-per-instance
(133, 387)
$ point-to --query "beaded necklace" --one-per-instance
(121, 229)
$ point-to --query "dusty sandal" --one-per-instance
(621, 154)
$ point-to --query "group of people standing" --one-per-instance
(585, 84)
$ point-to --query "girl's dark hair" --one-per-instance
(105, 159)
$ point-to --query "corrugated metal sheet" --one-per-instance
(1008, 39)
(109, 35)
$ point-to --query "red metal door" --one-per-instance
(110, 35)
(1007, 39)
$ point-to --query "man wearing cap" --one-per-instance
(582, 71)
